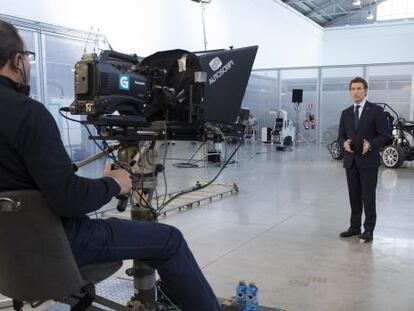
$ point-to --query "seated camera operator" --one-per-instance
(32, 156)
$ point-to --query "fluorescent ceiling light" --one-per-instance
(356, 3)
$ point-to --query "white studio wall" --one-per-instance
(376, 43)
(131, 26)
(137, 26)
(285, 37)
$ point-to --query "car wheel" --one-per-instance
(393, 156)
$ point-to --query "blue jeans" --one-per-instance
(161, 246)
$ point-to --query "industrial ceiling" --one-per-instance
(333, 13)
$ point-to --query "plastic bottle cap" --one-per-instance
(242, 282)
(252, 284)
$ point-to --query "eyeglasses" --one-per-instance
(30, 55)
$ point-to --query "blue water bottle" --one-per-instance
(241, 294)
(252, 301)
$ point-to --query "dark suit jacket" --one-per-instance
(372, 127)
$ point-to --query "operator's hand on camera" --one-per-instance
(122, 177)
(366, 146)
(347, 146)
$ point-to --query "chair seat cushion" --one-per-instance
(96, 273)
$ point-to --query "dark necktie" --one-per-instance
(356, 116)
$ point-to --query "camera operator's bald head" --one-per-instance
(13, 62)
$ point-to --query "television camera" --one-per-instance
(176, 90)
(141, 103)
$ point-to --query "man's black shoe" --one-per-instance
(367, 236)
(350, 232)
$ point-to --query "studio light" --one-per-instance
(356, 3)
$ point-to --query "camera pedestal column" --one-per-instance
(143, 161)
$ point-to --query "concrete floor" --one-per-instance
(281, 231)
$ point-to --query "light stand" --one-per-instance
(245, 153)
(298, 137)
(203, 4)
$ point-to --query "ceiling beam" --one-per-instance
(333, 14)
(302, 6)
(324, 6)
(297, 1)
(364, 7)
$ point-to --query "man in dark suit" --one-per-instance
(362, 132)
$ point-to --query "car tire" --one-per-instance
(393, 156)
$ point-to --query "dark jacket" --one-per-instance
(32, 156)
(372, 127)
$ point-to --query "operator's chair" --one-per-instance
(36, 262)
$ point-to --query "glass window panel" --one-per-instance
(30, 39)
(335, 98)
(61, 54)
(307, 80)
(261, 96)
(392, 84)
